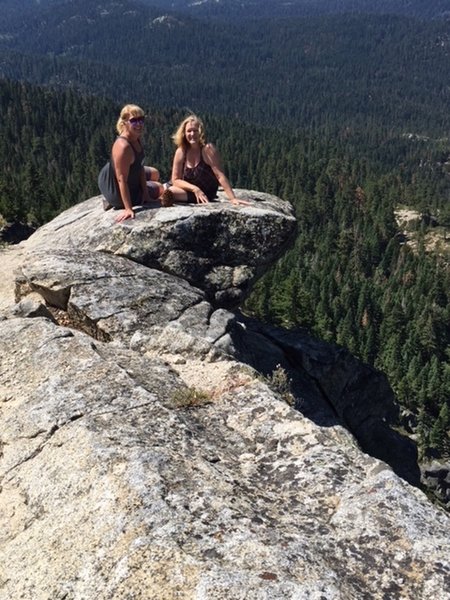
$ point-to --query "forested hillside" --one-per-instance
(376, 71)
(345, 116)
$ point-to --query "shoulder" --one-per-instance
(179, 154)
(121, 141)
(209, 152)
(121, 144)
(122, 152)
(209, 147)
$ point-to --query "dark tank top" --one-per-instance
(109, 187)
(202, 176)
(134, 174)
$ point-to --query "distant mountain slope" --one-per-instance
(383, 70)
(236, 10)
(250, 9)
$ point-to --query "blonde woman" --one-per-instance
(197, 167)
(124, 181)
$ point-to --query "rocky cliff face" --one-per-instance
(144, 456)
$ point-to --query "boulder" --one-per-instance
(218, 247)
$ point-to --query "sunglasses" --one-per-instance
(136, 121)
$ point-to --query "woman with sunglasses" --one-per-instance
(197, 167)
(124, 181)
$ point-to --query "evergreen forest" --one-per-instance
(344, 116)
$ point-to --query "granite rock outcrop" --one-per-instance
(220, 248)
(144, 450)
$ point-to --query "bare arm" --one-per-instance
(212, 157)
(122, 155)
(177, 168)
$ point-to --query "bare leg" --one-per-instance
(155, 189)
(151, 173)
(178, 194)
(173, 194)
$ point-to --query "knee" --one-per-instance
(155, 189)
(151, 173)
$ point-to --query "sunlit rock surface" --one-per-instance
(142, 453)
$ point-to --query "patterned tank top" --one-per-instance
(202, 176)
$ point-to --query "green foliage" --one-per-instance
(279, 382)
(190, 397)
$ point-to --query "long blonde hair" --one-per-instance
(179, 137)
(129, 110)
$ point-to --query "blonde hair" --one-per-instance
(179, 136)
(129, 110)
